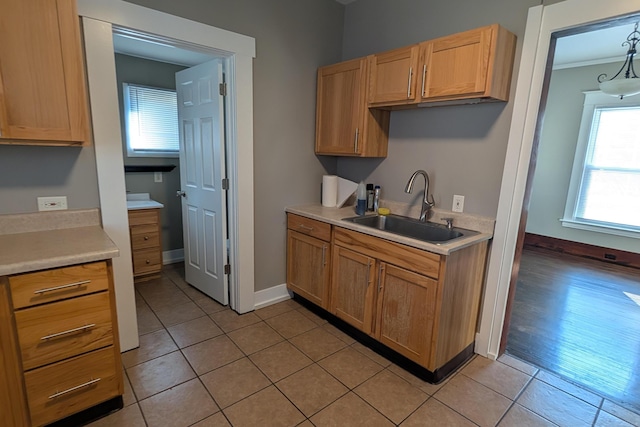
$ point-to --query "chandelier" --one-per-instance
(630, 84)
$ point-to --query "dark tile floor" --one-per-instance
(201, 364)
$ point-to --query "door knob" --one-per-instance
(181, 193)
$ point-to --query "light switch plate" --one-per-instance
(157, 176)
(54, 203)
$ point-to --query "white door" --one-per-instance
(202, 169)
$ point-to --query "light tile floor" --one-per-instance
(201, 364)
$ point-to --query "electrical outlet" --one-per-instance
(56, 203)
(157, 177)
(458, 203)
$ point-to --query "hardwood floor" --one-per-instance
(579, 319)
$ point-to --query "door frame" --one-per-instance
(542, 22)
(98, 17)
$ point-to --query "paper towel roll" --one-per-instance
(329, 190)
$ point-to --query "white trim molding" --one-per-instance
(270, 296)
(173, 256)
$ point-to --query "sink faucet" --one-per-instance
(426, 203)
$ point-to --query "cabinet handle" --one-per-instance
(424, 77)
(146, 237)
(368, 273)
(58, 288)
(380, 269)
(324, 252)
(355, 143)
(69, 390)
(70, 331)
(409, 83)
(148, 261)
(305, 227)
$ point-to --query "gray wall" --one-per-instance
(30, 172)
(461, 147)
(556, 152)
(162, 75)
(293, 38)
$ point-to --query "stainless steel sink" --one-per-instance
(409, 227)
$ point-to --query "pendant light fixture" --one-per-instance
(630, 84)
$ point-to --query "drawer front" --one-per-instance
(311, 227)
(67, 387)
(143, 216)
(57, 284)
(52, 332)
(146, 261)
(145, 236)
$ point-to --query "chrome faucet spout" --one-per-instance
(427, 202)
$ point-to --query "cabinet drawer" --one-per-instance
(56, 284)
(52, 332)
(145, 236)
(147, 260)
(311, 227)
(143, 216)
(67, 387)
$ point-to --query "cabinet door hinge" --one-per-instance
(225, 183)
(223, 89)
(227, 269)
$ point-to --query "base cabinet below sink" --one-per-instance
(420, 305)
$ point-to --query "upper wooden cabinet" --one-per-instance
(393, 76)
(42, 81)
(475, 64)
(345, 126)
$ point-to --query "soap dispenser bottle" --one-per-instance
(376, 198)
(361, 196)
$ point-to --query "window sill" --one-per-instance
(599, 228)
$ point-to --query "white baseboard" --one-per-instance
(170, 257)
(271, 296)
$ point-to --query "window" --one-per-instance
(151, 121)
(604, 193)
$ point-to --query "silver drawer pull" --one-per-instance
(146, 237)
(70, 331)
(69, 390)
(305, 227)
(57, 288)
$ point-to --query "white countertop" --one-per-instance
(136, 201)
(336, 216)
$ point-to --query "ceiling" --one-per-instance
(594, 47)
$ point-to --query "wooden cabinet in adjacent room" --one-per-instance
(43, 95)
(309, 258)
(146, 244)
(345, 126)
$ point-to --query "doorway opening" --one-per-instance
(571, 315)
(98, 18)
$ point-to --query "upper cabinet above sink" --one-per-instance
(354, 97)
(471, 66)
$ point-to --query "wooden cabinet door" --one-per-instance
(393, 77)
(42, 81)
(340, 104)
(353, 288)
(457, 66)
(308, 267)
(405, 312)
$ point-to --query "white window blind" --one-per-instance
(151, 119)
(606, 177)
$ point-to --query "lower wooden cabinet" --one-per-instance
(421, 305)
(308, 272)
(59, 342)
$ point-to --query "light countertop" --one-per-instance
(335, 216)
(137, 201)
(41, 240)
